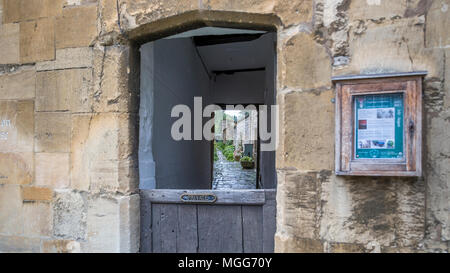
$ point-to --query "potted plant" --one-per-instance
(247, 162)
(237, 155)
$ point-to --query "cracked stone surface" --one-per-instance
(231, 175)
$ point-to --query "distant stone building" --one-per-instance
(246, 135)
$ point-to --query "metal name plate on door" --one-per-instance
(198, 198)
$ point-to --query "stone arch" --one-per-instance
(201, 18)
(172, 25)
(133, 38)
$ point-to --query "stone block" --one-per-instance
(290, 12)
(301, 70)
(25, 10)
(292, 244)
(375, 212)
(16, 126)
(37, 219)
(314, 141)
(64, 90)
(77, 27)
(109, 19)
(79, 159)
(112, 224)
(103, 174)
(128, 174)
(52, 170)
(37, 40)
(9, 43)
(145, 11)
(20, 85)
(100, 155)
(11, 11)
(94, 151)
(80, 57)
(377, 9)
(52, 93)
(15, 244)
(298, 199)
(16, 168)
(37, 194)
(399, 47)
(438, 20)
(410, 213)
(111, 91)
(400, 250)
(11, 213)
(346, 248)
(437, 136)
(431, 60)
(438, 198)
(69, 215)
(294, 12)
(129, 223)
(264, 6)
(103, 226)
(61, 246)
(52, 132)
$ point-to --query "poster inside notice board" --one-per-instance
(379, 126)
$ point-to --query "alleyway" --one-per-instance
(230, 175)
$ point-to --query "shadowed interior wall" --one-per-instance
(240, 87)
(171, 74)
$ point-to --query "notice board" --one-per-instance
(379, 124)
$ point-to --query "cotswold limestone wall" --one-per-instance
(68, 106)
(318, 211)
(68, 175)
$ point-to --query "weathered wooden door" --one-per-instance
(237, 221)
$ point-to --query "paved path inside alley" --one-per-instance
(231, 175)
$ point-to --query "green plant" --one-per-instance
(228, 152)
(220, 145)
(246, 159)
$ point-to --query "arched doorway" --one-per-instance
(213, 56)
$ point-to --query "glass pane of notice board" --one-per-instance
(379, 125)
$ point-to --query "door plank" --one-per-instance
(156, 228)
(252, 221)
(220, 229)
(269, 225)
(146, 226)
(187, 240)
(165, 217)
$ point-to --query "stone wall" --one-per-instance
(320, 212)
(68, 172)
